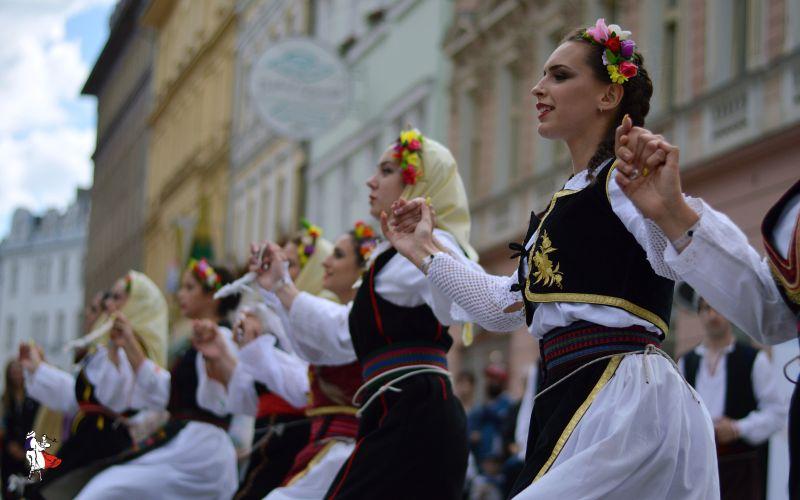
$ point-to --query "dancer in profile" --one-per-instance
(594, 288)
(412, 432)
(101, 396)
(192, 455)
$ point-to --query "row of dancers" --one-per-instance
(339, 349)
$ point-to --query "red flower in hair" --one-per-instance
(410, 175)
(613, 44)
(414, 145)
(628, 69)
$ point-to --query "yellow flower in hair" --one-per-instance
(407, 136)
(413, 159)
(616, 76)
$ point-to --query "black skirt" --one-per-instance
(410, 444)
(271, 461)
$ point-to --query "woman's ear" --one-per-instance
(611, 98)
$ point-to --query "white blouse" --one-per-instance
(320, 328)
(488, 301)
(261, 361)
(113, 385)
(733, 278)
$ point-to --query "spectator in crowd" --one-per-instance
(19, 412)
(739, 388)
(485, 422)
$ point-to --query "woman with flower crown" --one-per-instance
(614, 418)
(192, 455)
(411, 439)
(333, 379)
(101, 396)
(325, 389)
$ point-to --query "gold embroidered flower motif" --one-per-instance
(545, 273)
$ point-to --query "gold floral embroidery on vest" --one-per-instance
(545, 273)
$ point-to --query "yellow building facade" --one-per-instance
(188, 167)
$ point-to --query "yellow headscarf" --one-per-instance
(310, 278)
(442, 184)
(146, 309)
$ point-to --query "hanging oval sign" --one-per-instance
(300, 88)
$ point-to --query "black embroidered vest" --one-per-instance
(785, 271)
(584, 254)
(183, 392)
(377, 324)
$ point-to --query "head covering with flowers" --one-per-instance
(205, 274)
(618, 56)
(438, 180)
(308, 241)
(407, 151)
(366, 241)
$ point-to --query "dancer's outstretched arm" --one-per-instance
(480, 297)
(709, 251)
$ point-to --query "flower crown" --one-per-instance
(407, 151)
(618, 55)
(365, 239)
(206, 274)
(308, 241)
(128, 283)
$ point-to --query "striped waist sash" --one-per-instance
(565, 349)
(334, 425)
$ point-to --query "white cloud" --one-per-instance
(45, 140)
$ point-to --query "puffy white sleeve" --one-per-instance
(211, 394)
(770, 416)
(475, 295)
(284, 374)
(113, 384)
(242, 396)
(320, 331)
(53, 388)
(731, 276)
(151, 387)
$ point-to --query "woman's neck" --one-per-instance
(210, 315)
(346, 297)
(583, 146)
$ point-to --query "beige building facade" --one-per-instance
(188, 164)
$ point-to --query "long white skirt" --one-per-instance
(636, 440)
(198, 463)
(318, 476)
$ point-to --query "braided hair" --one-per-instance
(635, 99)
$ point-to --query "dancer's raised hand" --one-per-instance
(270, 266)
(648, 171)
(30, 356)
(410, 229)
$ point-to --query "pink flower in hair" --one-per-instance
(600, 31)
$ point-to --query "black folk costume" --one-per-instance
(597, 294)
(102, 393)
(192, 455)
(759, 295)
(412, 442)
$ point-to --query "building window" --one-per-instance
(11, 334)
(60, 338)
(669, 70)
(509, 110)
(64, 274)
(41, 277)
(739, 40)
(474, 141)
(39, 331)
(13, 282)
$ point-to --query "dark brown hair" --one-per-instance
(635, 99)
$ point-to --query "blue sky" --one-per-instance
(47, 130)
